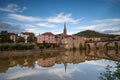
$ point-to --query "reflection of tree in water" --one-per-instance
(109, 74)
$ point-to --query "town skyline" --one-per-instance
(42, 16)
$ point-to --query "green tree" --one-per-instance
(20, 39)
(117, 72)
(30, 39)
(109, 74)
(4, 37)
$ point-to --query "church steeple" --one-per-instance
(65, 66)
(65, 30)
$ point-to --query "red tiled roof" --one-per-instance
(48, 33)
(12, 34)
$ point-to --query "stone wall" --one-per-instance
(102, 45)
(73, 42)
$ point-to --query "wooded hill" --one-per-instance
(92, 33)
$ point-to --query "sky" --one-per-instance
(40, 16)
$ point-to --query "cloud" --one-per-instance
(23, 18)
(22, 73)
(61, 18)
(91, 26)
(112, 31)
(10, 28)
(115, 2)
(58, 73)
(37, 29)
(24, 8)
(101, 63)
(12, 8)
(101, 24)
(114, 20)
(44, 22)
(38, 23)
(30, 25)
(47, 25)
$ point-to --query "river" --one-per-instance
(65, 65)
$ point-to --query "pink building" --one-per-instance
(47, 37)
(49, 62)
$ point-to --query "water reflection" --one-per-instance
(68, 65)
(110, 74)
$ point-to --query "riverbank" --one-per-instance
(14, 53)
(28, 46)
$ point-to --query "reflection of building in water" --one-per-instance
(65, 66)
(109, 55)
(13, 63)
(49, 59)
(48, 62)
(73, 57)
(70, 57)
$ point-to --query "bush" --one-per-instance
(17, 47)
(30, 46)
(4, 47)
(55, 45)
(47, 45)
(41, 46)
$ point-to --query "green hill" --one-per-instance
(91, 33)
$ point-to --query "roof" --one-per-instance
(48, 33)
(27, 33)
(13, 34)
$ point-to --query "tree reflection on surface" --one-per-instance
(109, 74)
(65, 65)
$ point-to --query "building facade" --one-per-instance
(73, 41)
(47, 37)
(13, 37)
(92, 38)
(25, 35)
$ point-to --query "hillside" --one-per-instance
(91, 33)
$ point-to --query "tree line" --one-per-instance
(5, 38)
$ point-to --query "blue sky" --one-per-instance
(41, 16)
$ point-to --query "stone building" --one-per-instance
(61, 36)
(92, 38)
(73, 41)
(117, 38)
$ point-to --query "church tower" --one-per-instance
(65, 66)
(65, 30)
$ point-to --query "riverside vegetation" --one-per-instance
(109, 74)
(21, 46)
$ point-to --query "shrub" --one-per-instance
(17, 47)
(30, 47)
(5, 47)
(41, 46)
(48, 45)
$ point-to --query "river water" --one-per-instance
(65, 65)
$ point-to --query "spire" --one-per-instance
(65, 30)
(65, 66)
